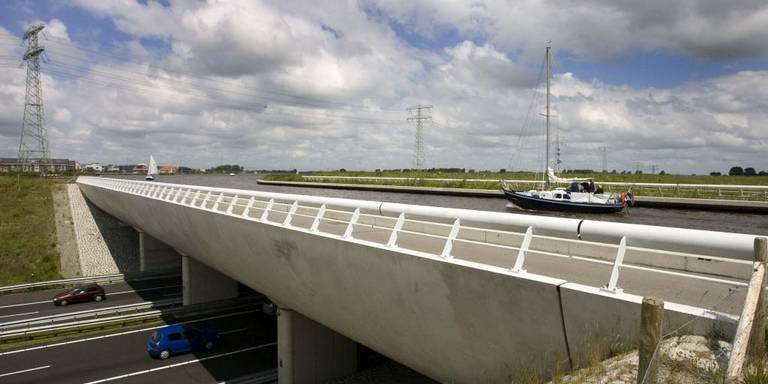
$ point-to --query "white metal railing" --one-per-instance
(343, 217)
(663, 189)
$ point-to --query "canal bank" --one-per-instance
(640, 201)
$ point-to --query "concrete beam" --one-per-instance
(309, 352)
(154, 255)
(202, 283)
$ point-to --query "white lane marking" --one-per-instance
(108, 294)
(233, 331)
(123, 333)
(24, 371)
(180, 364)
(20, 314)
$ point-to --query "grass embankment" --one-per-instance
(27, 230)
(462, 180)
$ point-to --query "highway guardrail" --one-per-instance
(108, 279)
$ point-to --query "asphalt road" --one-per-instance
(35, 304)
(248, 345)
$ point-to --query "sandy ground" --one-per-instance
(66, 241)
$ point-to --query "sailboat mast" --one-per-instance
(549, 74)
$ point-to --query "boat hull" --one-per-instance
(537, 203)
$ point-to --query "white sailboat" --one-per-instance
(581, 195)
(151, 169)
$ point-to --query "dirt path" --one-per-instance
(66, 241)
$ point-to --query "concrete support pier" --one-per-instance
(202, 283)
(309, 352)
(154, 255)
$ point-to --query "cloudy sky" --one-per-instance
(682, 86)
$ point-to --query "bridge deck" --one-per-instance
(434, 287)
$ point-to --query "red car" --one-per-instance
(82, 293)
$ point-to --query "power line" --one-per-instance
(282, 97)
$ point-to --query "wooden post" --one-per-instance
(747, 320)
(651, 317)
(757, 339)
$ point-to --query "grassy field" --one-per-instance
(27, 230)
(461, 180)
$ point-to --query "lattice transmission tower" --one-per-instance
(419, 114)
(33, 147)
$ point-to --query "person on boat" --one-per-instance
(574, 187)
(627, 197)
(598, 189)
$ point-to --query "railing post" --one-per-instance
(316, 223)
(351, 224)
(205, 200)
(232, 204)
(523, 251)
(291, 212)
(184, 198)
(756, 289)
(757, 340)
(398, 226)
(611, 287)
(248, 207)
(218, 201)
(265, 214)
(446, 254)
(651, 317)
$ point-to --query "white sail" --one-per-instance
(152, 169)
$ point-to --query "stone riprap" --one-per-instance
(105, 245)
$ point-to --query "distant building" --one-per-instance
(112, 168)
(140, 168)
(12, 164)
(128, 168)
(183, 169)
(95, 167)
(167, 170)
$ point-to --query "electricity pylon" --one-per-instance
(33, 146)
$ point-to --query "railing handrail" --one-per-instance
(619, 183)
(721, 244)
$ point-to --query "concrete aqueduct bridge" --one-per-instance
(458, 295)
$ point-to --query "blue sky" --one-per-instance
(688, 75)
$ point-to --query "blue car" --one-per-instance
(177, 339)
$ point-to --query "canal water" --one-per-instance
(694, 219)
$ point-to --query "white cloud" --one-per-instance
(336, 80)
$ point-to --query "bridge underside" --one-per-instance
(453, 320)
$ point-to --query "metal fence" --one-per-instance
(704, 191)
